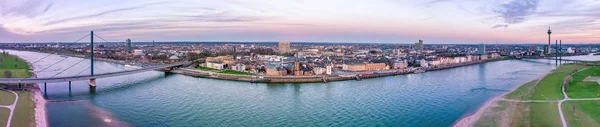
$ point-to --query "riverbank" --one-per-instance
(539, 103)
(30, 108)
(316, 78)
(41, 119)
(471, 119)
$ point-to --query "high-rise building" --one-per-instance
(128, 43)
(549, 48)
(284, 47)
(481, 49)
(419, 46)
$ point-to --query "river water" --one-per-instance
(436, 98)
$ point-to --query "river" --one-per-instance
(436, 98)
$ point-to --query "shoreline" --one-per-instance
(40, 109)
(41, 118)
(469, 120)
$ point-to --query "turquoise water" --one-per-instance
(436, 98)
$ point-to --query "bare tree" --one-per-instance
(7, 74)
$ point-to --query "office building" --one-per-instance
(419, 46)
(128, 43)
(284, 47)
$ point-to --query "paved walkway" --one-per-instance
(11, 107)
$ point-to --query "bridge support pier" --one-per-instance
(69, 86)
(93, 83)
(45, 87)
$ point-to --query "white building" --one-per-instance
(570, 50)
(423, 63)
(238, 67)
(214, 65)
(328, 69)
(138, 52)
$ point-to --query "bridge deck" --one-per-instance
(84, 77)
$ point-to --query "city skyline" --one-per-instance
(435, 22)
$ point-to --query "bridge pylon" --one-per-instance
(92, 80)
(93, 83)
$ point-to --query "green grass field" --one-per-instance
(544, 115)
(12, 62)
(6, 98)
(549, 88)
(17, 66)
(235, 72)
(582, 113)
(580, 89)
(223, 71)
(501, 58)
(4, 112)
(206, 68)
(24, 115)
(524, 92)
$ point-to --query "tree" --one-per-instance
(7, 74)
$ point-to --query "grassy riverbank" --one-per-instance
(6, 98)
(549, 88)
(582, 113)
(535, 103)
(4, 112)
(17, 67)
(24, 115)
(223, 71)
(584, 89)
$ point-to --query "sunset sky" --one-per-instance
(390, 21)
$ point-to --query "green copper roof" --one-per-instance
(174, 57)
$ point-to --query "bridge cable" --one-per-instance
(107, 42)
(67, 68)
(117, 67)
(81, 38)
(52, 54)
(40, 59)
(102, 70)
(82, 71)
(52, 65)
(101, 38)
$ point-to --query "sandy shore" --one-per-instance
(470, 120)
(41, 119)
(40, 109)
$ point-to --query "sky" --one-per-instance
(382, 21)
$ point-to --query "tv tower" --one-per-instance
(549, 48)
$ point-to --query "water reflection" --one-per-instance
(435, 98)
